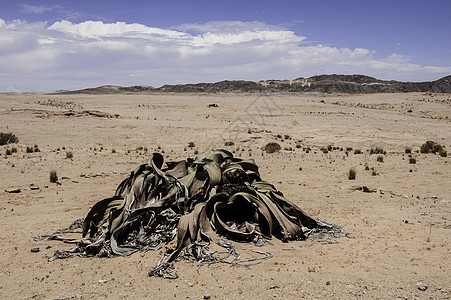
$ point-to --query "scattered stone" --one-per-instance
(35, 249)
(421, 286)
(207, 297)
(102, 280)
(13, 190)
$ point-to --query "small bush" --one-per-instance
(329, 148)
(431, 147)
(36, 148)
(8, 138)
(53, 176)
(377, 150)
(373, 173)
(29, 149)
(69, 155)
(196, 152)
(408, 150)
(14, 150)
(348, 149)
(380, 158)
(191, 145)
(229, 143)
(271, 147)
(113, 150)
(352, 174)
(357, 151)
(412, 160)
(8, 151)
(443, 153)
(325, 150)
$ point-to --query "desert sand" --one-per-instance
(398, 243)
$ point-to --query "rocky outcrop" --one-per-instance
(343, 84)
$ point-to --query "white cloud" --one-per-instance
(66, 55)
(38, 9)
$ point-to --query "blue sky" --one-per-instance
(49, 45)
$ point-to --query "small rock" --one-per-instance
(127, 284)
(102, 280)
(207, 297)
(36, 249)
(33, 188)
(421, 286)
(13, 190)
(327, 282)
(190, 284)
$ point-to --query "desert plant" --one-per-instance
(324, 150)
(69, 155)
(330, 148)
(36, 148)
(380, 158)
(178, 197)
(53, 176)
(14, 149)
(408, 150)
(191, 145)
(8, 138)
(229, 143)
(431, 147)
(113, 150)
(443, 153)
(357, 151)
(29, 149)
(412, 160)
(377, 150)
(271, 147)
(8, 151)
(352, 174)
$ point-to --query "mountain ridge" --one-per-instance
(328, 84)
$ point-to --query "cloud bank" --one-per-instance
(66, 55)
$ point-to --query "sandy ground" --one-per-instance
(399, 245)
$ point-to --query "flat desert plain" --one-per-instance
(398, 242)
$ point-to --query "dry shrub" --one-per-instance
(271, 147)
(8, 138)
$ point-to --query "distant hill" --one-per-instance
(343, 84)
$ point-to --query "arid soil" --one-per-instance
(398, 243)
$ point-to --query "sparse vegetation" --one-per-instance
(324, 150)
(431, 147)
(412, 160)
(36, 148)
(113, 150)
(229, 143)
(377, 150)
(69, 155)
(357, 151)
(53, 176)
(8, 138)
(408, 150)
(29, 149)
(352, 174)
(14, 149)
(271, 147)
(380, 158)
(8, 151)
(191, 145)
